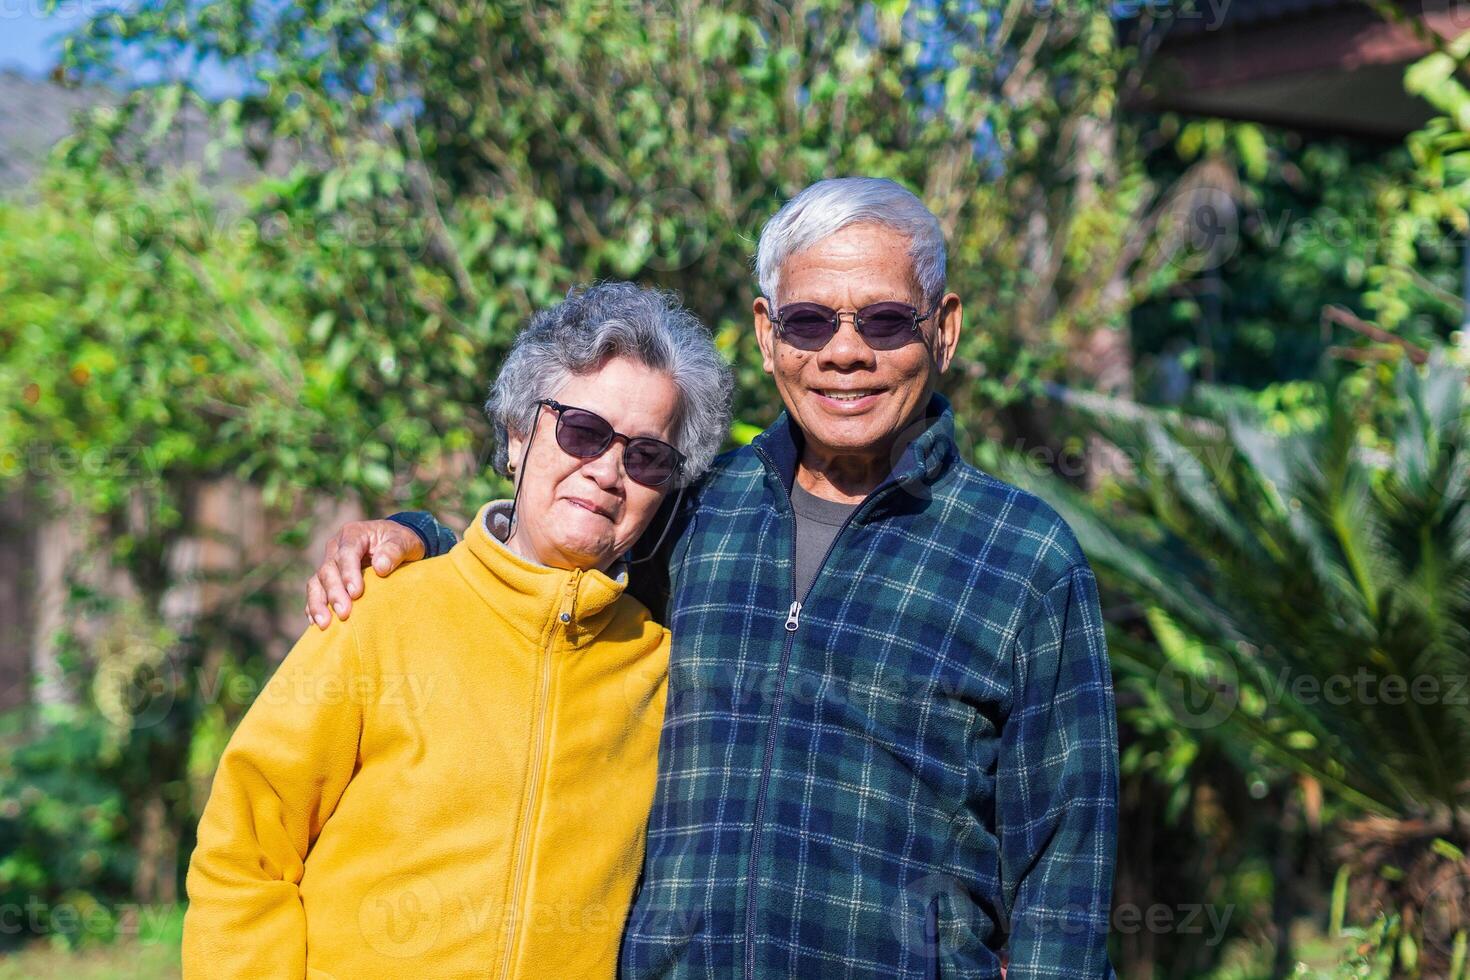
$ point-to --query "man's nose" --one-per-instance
(847, 349)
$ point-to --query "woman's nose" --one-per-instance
(606, 468)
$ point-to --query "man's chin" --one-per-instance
(849, 434)
(870, 440)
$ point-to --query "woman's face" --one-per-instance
(584, 513)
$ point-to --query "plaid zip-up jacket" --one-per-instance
(902, 770)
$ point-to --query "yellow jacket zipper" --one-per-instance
(562, 626)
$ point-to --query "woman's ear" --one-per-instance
(515, 447)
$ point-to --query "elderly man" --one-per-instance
(889, 746)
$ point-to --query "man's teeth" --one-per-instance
(850, 396)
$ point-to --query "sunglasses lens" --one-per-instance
(582, 433)
(806, 325)
(888, 325)
(649, 462)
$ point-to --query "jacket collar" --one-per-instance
(927, 458)
(535, 597)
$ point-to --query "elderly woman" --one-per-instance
(455, 782)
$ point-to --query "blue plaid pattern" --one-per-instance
(922, 769)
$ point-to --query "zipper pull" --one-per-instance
(792, 616)
(570, 600)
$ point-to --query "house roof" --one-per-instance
(1329, 66)
(1247, 13)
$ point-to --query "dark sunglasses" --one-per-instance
(883, 326)
(586, 435)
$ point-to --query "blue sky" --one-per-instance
(30, 42)
(29, 39)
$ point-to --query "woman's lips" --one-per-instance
(588, 505)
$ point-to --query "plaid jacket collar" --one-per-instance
(927, 458)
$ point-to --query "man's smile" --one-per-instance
(848, 399)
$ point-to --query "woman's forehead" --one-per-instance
(634, 398)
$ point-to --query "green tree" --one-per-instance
(1306, 592)
(519, 147)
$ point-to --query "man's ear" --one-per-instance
(765, 333)
(949, 317)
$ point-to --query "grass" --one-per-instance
(127, 960)
(151, 952)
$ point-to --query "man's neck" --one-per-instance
(848, 477)
(841, 479)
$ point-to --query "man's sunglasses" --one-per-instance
(586, 435)
(884, 326)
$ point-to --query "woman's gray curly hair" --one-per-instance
(609, 319)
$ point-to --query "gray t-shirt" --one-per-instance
(817, 523)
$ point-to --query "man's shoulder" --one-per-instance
(1027, 529)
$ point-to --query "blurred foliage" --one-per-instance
(1287, 225)
(1306, 596)
(63, 838)
(425, 175)
(487, 156)
(430, 173)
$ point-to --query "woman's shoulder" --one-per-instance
(414, 599)
(638, 619)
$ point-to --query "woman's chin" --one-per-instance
(585, 550)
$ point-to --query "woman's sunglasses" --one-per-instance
(584, 434)
(884, 326)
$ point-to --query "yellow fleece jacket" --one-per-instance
(453, 783)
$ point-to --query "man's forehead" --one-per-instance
(873, 275)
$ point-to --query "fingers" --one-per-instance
(396, 545)
(316, 603)
(350, 556)
(387, 556)
(339, 579)
(337, 597)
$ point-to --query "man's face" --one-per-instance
(857, 266)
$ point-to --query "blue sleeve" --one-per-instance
(1057, 789)
(437, 538)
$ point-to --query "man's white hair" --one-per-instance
(828, 206)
